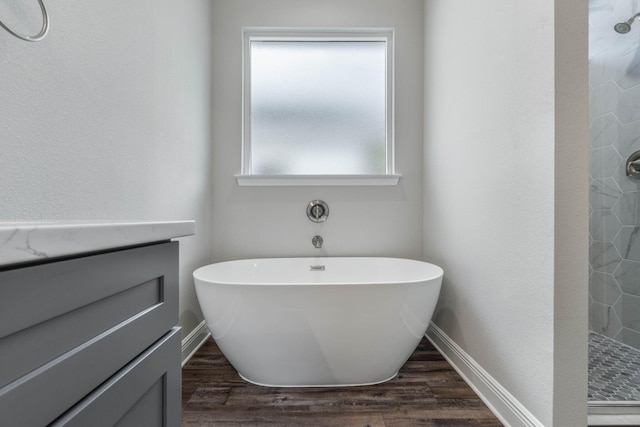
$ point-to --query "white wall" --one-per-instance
(571, 230)
(109, 118)
(263, 222)
(506, 192)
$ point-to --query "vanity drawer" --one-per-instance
(67, 326)
(144, 393)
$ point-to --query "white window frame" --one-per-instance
(249, 34)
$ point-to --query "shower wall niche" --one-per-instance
(614, 80)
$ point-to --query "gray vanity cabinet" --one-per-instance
(91, 340)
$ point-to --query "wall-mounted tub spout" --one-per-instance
(317, 242)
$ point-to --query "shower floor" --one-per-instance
(614, 370)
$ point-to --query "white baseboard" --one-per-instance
(506, 407)
(192, 342)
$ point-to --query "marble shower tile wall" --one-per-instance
(614, 79)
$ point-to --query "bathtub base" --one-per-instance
(316, 385)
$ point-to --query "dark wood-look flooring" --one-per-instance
(426, 392)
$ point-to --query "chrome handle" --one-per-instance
(633, 165)
(317, 211)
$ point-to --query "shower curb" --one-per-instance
(503, 404)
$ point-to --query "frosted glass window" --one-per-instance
(317, 107)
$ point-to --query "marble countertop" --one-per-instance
(33, 241)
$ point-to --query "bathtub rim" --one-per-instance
(198, 273)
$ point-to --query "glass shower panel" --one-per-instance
(614, 226)
(318, 107)
(614, 75)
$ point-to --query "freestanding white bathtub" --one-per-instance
(304, 322)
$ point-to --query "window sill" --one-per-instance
(316, 180)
